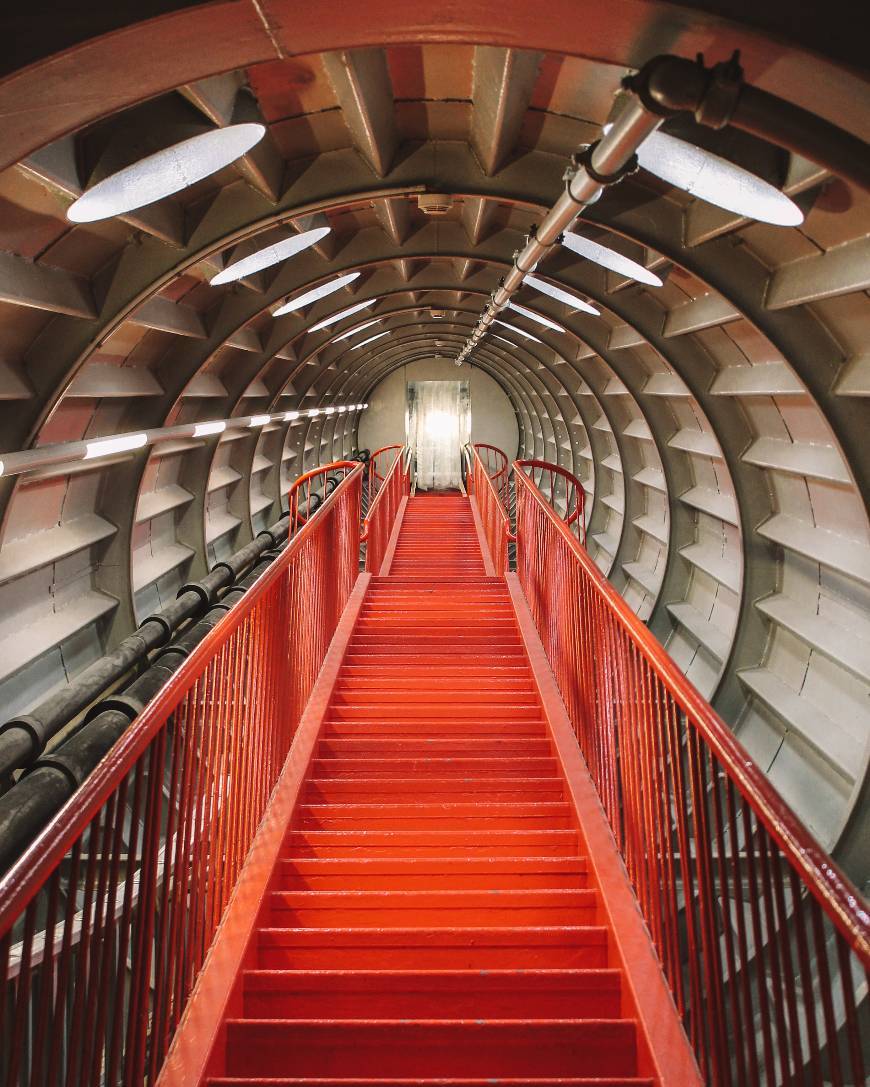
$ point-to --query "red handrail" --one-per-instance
(575, 493)
(752, 920)
(381, 515)
(493, 515)
(376, 476)
(129, 881)
(314, 487)
(498, 467)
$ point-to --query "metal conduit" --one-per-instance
(664, 87)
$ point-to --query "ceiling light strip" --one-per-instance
(69, 453)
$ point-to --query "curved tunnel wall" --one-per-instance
(718, 422)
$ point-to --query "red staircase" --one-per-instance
(432, 917)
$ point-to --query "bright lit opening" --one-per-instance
(164, 173)
(716, 180)
(532, 316)
(608, 258)
(317, 293)
(272, 254)
(340, 316)
(109, 446)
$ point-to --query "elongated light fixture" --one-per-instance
(106, 447)
(164, 173)
(607, 258)
(260, 420)
(371, 339)
(271, 254)
(561, 296)
(340, 316)
(359, 328)
(317, 293)
(519, 331)
(532, 316)
(202, 430)
(716, 180)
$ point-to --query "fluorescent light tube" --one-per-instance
(271, 254)
(316, 294)
(106, 447)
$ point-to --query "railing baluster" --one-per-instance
(700, 829)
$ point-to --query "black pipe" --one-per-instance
(718, 96)
(30, 804)
(23, 738)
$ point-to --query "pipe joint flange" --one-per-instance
(195, 587)
(719, 101)
(162, 622)
(32, 726)
(583, 160)
(64, 766)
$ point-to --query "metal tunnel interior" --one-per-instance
(719, 422)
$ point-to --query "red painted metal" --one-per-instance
(497, 467)
(570, 495)
(128, 883)
(380, 463)
(433, 915)
(493, 513)
(313, 488)
(751, 919)
(383, 508)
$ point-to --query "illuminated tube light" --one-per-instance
(340, 316)
(607, 258)
(371, 339)
(716, 180)
(259, 420)
(532, 316)
(315, 295)
(164, 173)
(561, 296)
(108, 446)
(359, 328)
(202, 430)
(518, 331)
(329, 411)
(313, 413)
(289, 416)
(271, 254)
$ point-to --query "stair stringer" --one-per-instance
(664, 1051)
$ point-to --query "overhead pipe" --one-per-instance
(604, 163)
(718, 96)
(24, 738)
(664, 87)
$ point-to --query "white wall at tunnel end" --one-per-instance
(493, 419)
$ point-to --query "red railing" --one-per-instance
(379, 464)
(308, 493)
(381, 516)
(498, 469)
(493, 514)
(561, 488)
(106, 920)
(764, 942)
